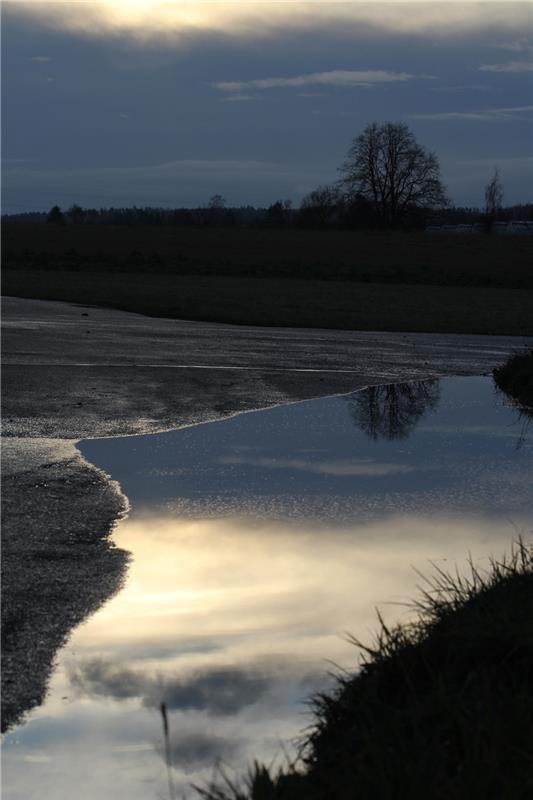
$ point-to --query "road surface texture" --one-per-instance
(72, 372)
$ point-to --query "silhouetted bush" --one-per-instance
(515, 378)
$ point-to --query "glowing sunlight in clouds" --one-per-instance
(143, 19)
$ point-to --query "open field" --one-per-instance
(298, 278)
(339, 255)
(292, 303)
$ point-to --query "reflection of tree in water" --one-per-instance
(393, 411)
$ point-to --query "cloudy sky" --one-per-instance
(167, 103)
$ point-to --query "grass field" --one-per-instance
(311, 303)
(333, 279)
(370, 256)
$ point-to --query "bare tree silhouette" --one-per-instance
(494, 194)
(389, 168)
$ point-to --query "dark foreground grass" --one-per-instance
(441, 708)
(515, 378)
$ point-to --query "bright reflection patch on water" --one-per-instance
(257, 544)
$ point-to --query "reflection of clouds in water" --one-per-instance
(221, 691)
(200, 749)
(37, 759)
(238, 603)
(276, 599)
(251, 592)
(511, 431)
(475, 487)
(339, 468)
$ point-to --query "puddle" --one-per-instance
(258, 543)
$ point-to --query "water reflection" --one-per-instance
(222, 691)
(232, 623)
(393, 411)
(258, 543)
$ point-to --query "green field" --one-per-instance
(332, 279)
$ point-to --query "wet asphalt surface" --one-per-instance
(71, 372)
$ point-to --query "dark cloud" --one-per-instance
(219, 692)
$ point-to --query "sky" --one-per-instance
(168, 103)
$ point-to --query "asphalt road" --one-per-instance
(71, 372)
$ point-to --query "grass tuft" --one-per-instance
(515, 378)
(261, 783)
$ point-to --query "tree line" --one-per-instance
(388, 180)
(312, 214)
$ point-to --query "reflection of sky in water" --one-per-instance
(257, 543)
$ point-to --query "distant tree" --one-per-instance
(493, 199)
(75, 214)
(279, 213)
(217, 202)
(55, 216)
(320, 207)
(216, 210)
(386, 166)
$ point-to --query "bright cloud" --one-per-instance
(339, 77)
(144, 19)
(341, 468)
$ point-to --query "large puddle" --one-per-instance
(258, 544)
